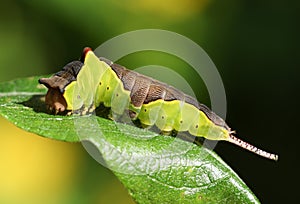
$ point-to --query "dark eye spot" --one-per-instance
(181, 121)
(145, 110)
(117, 95)
(162, 117)
(196, 126)
(100, 83)
(107, 88)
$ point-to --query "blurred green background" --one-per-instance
(254, 45)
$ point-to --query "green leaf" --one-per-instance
(154, 168)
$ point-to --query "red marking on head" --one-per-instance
(84, 52)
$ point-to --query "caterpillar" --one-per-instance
(82, 85)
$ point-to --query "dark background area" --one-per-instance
(254, 44)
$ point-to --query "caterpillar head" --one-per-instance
(54, 99)
(56, 85)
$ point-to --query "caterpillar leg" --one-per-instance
(168, 133)
(132, 114)
(172, 133)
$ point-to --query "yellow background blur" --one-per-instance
(40, 170)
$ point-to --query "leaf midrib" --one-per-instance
(16, 93)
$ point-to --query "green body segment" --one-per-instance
(180, 116)
(81, 93)
(97, 83)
